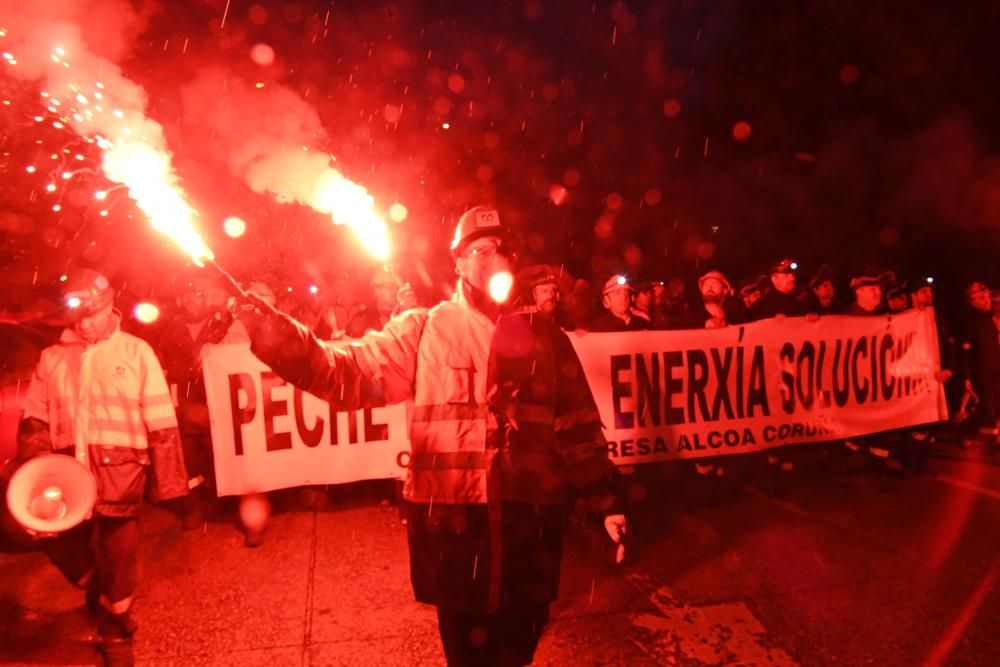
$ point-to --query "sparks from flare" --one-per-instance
(134, 153)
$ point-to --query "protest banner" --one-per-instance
(669, 395)
(662, 396)
(267, 434)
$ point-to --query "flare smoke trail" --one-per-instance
(269, 137)
(70, 47)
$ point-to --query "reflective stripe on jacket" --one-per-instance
(484, 428)
(109, 393)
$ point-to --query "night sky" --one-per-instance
(656, 138)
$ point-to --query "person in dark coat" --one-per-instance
(981, 356)
(821, 295)
(617, 316)
(717, 308)
(779, 299)
(179, 349)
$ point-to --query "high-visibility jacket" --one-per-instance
(501, 411)
(107, 402)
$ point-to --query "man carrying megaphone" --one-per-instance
(98, 395)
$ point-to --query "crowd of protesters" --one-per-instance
(970, 347)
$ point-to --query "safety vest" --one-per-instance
(109, 393)
(469, 444)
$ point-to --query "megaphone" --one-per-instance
(51, 494)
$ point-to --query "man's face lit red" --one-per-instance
(713, 290)
(95, 327)
(783, 282)
(824, 292)
(618, 301)
(923, 297)
(481, 260)
(644, 300)
(546, 297)
(979, 298)
(868, 297)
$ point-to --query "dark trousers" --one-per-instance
(105, 548)
(503, 639)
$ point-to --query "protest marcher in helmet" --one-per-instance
(179, 349)
(642, 301)
(897, 299)
(539, 285)
(616, 298)
(100, 396)
(919, 440)
(717, 309)
(749, 292)
(869, 288)
(503, 427)
(981, 358)
(779, 299)
(821, 297)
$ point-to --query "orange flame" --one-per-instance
(350, 204)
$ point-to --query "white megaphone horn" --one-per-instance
(51, 494)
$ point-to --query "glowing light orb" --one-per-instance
(671, 108)
(146, 312)
(398, 212)
(262, 54)
(558, 195)
(500, 285)
(313, 289)
(73, 302)
(100, 195)
(445, 126)
(234, 227)
(741, 131)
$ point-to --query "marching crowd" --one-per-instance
(500, 433)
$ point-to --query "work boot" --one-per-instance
(194, 511)
(116, 632)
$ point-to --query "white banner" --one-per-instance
(662, 395)
(269, 435)
(667, 395)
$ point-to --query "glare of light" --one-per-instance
(445, 126)
(500, 285)
(350, 204)
(63, 278)
(67, 175)
(313, 289)
(101, 195)
(82, 100)
(30, 169)
(57, 125)
(930, 280)
(146, 312)
(398, 212)
(57, 208)
(259, 85)
(289, 288)
(794, 265)
(234, 227)
(262, 54)
(39, 119)
(73, 302)
(621, 280)
(558, 195)
(51, 187)
(151, 182)
(104, 214)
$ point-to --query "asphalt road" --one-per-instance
(846, 570)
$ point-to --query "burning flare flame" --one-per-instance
(350, 204)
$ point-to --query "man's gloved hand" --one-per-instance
(617, 528)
